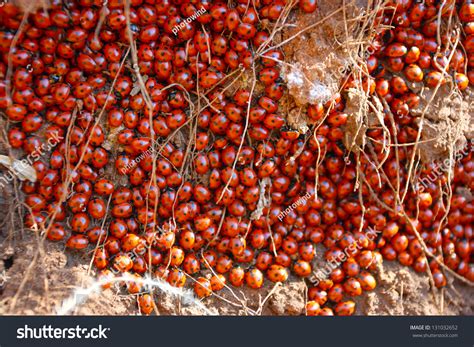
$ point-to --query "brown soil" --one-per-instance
(317, 57)
(58, 273)
(448, 122)
(402, 291)
(31, 5)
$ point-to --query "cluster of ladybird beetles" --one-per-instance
(115, 78)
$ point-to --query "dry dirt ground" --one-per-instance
(58, 273)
